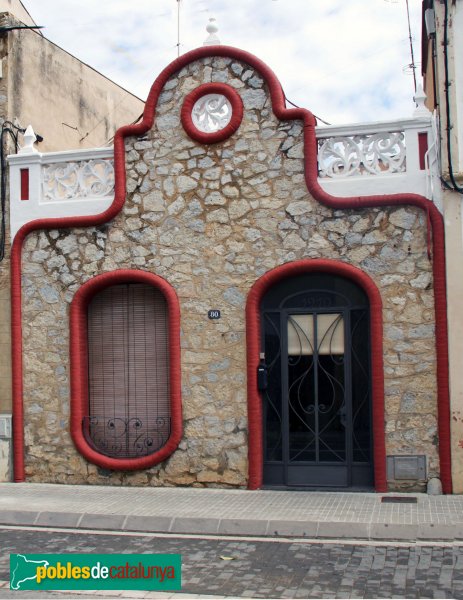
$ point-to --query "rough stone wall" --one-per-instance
(211, 220)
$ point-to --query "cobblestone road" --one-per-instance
(269, 569)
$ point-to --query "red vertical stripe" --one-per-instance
(422, 148)
(24, 184)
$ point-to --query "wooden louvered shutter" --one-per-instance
(129, 409)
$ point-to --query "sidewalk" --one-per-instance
(336, 515)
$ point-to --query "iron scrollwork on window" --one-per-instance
(316, 350)
(126, 437)
(211, 113)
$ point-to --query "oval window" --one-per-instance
(127, 410)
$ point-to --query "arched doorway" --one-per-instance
(317, 398)
(290, 443)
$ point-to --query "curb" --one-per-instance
(126, 594)
(245, 527)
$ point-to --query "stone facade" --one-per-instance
(212, 219)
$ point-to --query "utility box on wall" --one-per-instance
(5, 448)
(5, 427)
(407, 467)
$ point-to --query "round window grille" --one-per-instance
(211, 113)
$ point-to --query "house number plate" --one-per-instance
(213, 314)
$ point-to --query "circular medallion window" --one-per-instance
(212, 112)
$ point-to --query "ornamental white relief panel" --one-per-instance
(74, 180)
(374, 154)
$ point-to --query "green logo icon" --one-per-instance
(23, 571)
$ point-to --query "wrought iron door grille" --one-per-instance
(316, 387)
(317, 401)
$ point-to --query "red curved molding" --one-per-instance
(310, 152)
(217, 136)
(253, 343)
(79, 367)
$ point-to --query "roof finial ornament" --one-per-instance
(29, 141)
(420, 98)
(212, 29)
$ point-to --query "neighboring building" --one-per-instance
(18, 10)
(238, 312)
(442, 66)
(71, 106)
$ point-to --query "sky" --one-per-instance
(345, 60)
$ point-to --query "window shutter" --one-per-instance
(128, 366)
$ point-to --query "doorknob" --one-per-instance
(262, 376)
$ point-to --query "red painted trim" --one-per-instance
(253, 338)
(217, 136)
(24, 184)
(311, 174)
(79, 367)
(422, 149)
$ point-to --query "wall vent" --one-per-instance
(408, 467)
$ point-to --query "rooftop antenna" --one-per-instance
(411, 66)
(178, 28)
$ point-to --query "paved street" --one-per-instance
(267, 568)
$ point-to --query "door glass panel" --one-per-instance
(332, 419)
(272, 396)
(361, 416)
(301, 408)
(330, 334)
(317, 417)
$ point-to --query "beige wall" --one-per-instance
(428, 78)
(453, 236)
(454, 92)
(16, 8)
(5, 337)
(454, 249)
(62, 98)
(5, 342)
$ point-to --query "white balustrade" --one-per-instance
(353, 160)
(76, 180)
(380, 158)
(373, 154)
(59, 184)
